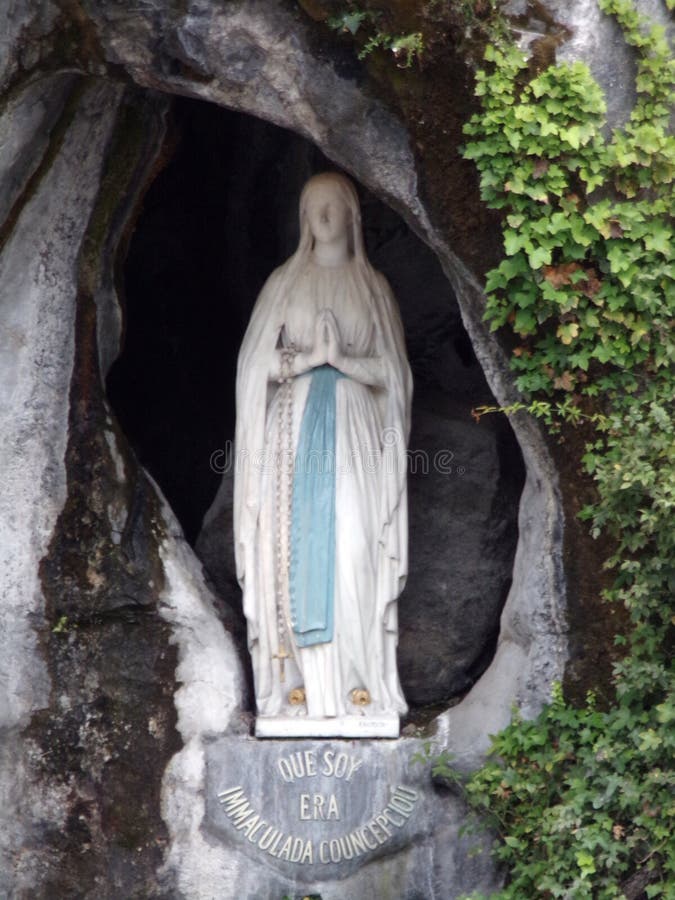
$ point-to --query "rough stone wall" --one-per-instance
(38, 304)
(88, 662)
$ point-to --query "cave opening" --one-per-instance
(215, 221)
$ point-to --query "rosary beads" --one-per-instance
(284, 496)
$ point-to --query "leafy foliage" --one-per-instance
(588, 276)
(406, 48)
(582, 798)
(579, 797)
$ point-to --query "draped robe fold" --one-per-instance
(370, 509)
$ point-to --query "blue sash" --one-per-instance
(312, 564)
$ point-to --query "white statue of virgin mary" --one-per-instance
(320, 504)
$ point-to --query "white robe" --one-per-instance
(371, 507)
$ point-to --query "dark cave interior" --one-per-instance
(216, 220)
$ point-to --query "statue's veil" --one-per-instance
(296, 263)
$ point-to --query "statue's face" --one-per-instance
(327, 213)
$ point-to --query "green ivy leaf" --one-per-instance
(539, 256)
(573, 136)
(525, 322)
(585, 862)
(512, 242)
(660, 239)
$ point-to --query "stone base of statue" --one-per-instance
(335, 818)
(385, 725)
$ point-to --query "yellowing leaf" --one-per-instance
(568, 332)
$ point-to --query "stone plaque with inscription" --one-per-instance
(318, 811)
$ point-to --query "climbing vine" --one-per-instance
(587, 277)
(582, 798)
